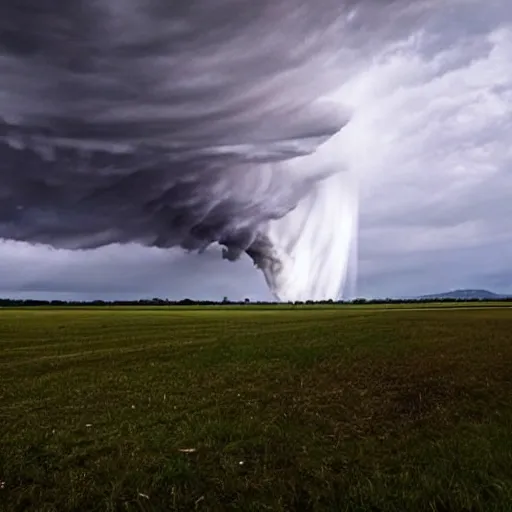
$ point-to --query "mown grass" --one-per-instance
(349, 409)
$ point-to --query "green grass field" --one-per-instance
(337, 409)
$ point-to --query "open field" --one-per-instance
(361, 408)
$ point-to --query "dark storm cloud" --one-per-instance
(164, 123)
(119, 119)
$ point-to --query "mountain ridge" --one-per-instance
(466, 294)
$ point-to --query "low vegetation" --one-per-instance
(343, 408)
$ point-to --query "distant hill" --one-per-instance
(466, 295)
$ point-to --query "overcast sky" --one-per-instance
(431, 142)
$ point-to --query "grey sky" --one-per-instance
(431, 142)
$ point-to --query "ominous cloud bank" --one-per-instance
(134, 122)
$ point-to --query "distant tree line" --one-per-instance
(6, 303)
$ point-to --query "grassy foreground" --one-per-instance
(322, 409)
